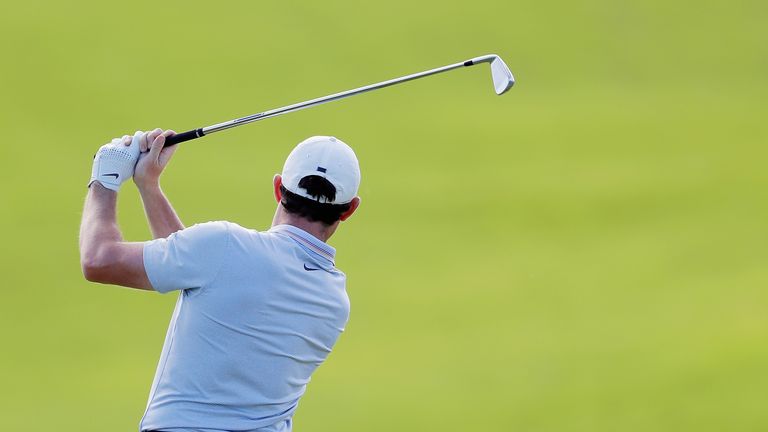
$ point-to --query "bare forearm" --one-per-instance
(162, 218)
(99, 227)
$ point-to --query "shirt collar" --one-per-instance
(307, 240)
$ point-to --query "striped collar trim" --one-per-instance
(308, 240)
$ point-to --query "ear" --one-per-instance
(353, 205)
(277, 181)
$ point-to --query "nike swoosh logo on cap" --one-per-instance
(111, 174)
(310, 268)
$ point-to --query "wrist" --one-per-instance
(150, 192)
(101, 194)
(147, 185)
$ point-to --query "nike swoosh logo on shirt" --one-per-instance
(310, 268)
(111, 174)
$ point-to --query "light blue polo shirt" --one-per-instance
(258, 312)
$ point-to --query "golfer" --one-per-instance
(257, 312)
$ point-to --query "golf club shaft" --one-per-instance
(200, 132)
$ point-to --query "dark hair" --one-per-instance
(317, 187)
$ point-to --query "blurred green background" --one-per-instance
(585, 253)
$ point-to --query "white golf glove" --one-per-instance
(114, 162)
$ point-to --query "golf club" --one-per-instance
(502, 81)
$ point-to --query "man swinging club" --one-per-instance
(257, 312)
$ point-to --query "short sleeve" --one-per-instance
(190, 258)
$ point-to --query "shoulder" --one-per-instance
(224, 233)
(202, 235)
(189, 258)
(204, 231)
(208, 228)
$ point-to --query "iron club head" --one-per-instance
(502, 76)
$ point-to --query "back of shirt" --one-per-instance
(257, 314)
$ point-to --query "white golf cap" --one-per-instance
(327, 157)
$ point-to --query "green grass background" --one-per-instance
(585, 253)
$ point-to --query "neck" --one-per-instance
(317, 229)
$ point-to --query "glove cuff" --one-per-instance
(110, 186)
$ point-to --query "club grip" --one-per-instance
(184, 136)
